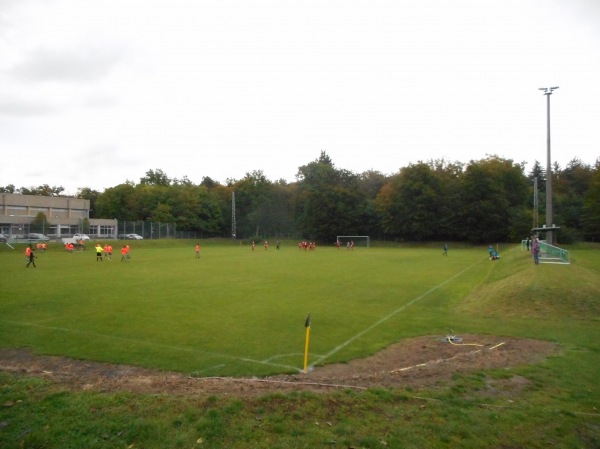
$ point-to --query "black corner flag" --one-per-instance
(307, 323)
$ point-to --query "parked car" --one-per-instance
(83, 237)
(37, 237)
(3, 238)
(130, 237)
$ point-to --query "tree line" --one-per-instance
(483, 201)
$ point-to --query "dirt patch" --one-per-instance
(415, 363)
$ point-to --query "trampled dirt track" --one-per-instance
(415, 363)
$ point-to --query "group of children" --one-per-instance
(107, 251)
(266, 245)
(70, 246)
(101, 252)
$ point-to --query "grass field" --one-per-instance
(235, 312)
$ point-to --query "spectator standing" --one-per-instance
(535, 250)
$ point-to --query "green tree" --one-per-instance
(449, 175)
(85, 193)
(570, 188)
(155, 178)
(43, 190)
(537, 171)
(370, 183)
(493, 201)
(197, 209)
(117, 202)
(248, 192)
(330, 200)
(591, 207)
(413, 201)
(39, 224)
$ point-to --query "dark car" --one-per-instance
(33, 237)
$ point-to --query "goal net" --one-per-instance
(553, 254)
(359, 240)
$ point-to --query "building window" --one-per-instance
(102, 230)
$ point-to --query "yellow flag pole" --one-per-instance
(307, 325)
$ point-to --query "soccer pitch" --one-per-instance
(233, 311)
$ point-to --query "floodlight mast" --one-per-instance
(549, 234)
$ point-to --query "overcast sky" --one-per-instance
(95, 93)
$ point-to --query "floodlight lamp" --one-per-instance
(548, 90)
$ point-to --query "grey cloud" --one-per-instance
(23, 108)
(66, 66)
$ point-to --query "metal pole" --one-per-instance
(549, 218)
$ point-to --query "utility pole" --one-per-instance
(233, 224)
(549, 219)
(535, 203)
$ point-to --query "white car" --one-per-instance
(83, 237)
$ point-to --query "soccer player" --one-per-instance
(197, 251)
(99, 250)
(30, 256)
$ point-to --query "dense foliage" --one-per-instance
(483, 201)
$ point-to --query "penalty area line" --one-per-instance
(387, 317)
(266, 362)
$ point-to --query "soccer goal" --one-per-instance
(553, 254)
(359, 240)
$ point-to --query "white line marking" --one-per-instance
(387, 317)
(157, 345)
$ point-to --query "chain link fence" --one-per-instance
(157, 230)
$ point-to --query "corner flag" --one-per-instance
(307, 326)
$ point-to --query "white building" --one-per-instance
(65, 216)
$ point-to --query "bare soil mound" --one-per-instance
(415, 363)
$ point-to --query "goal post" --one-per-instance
(359, 240)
